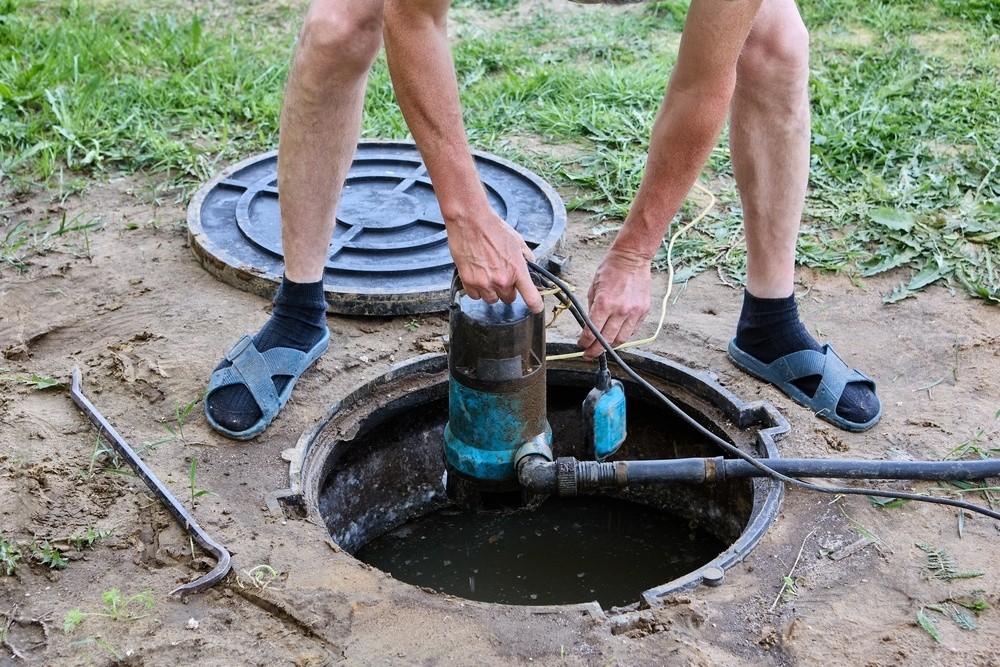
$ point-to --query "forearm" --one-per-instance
(684, 134)
(423, 75)
(690, 120)
(489, 254)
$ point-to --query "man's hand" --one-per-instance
(491, 261)
(489, 254)
(619, 300)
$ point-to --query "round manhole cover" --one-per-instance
(389, 254)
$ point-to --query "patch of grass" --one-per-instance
(905, 143)
(117, 607)
(10, 555)
(975, 10)
(21, 240)
(94, 87)
(487, 4)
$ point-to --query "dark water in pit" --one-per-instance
(567, 551)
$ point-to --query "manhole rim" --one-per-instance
(303, 493)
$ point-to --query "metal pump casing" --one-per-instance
(496, 392)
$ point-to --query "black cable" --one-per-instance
(754, 461)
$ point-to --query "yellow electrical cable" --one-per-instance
(670, 280)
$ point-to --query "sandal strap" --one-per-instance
(834, 374)
(256, 371)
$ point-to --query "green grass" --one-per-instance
(20, 239)
(94, 89)
(10, 554)
(117, 607)
(906, 116)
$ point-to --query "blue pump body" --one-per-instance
(484, 432)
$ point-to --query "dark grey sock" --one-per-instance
(770, 328)
(297, 321)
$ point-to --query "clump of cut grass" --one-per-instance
(33, 380)
(941, 564)
(962, 610)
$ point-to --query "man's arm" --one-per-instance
(489, 254)
(686, 129)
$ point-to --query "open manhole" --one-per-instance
(372, 472)
(389, 254)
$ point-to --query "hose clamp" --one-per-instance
(566, 475)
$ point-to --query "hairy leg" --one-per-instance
(769, 143)
(320, 126)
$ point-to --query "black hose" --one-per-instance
(570, 476)
(766, 470)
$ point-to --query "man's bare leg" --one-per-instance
(769, 142)
(320, 126)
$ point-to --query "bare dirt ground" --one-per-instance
(146, 325)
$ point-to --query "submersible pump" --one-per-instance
(496, 397)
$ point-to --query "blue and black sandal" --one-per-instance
(834, 373)
(256, 371)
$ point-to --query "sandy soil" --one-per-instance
(146, 324)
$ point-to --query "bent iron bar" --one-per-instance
(185, 520)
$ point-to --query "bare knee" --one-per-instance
(775, 57)
(340, 36)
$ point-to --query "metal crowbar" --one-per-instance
(180, 514)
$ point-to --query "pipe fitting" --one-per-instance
(537, 474)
